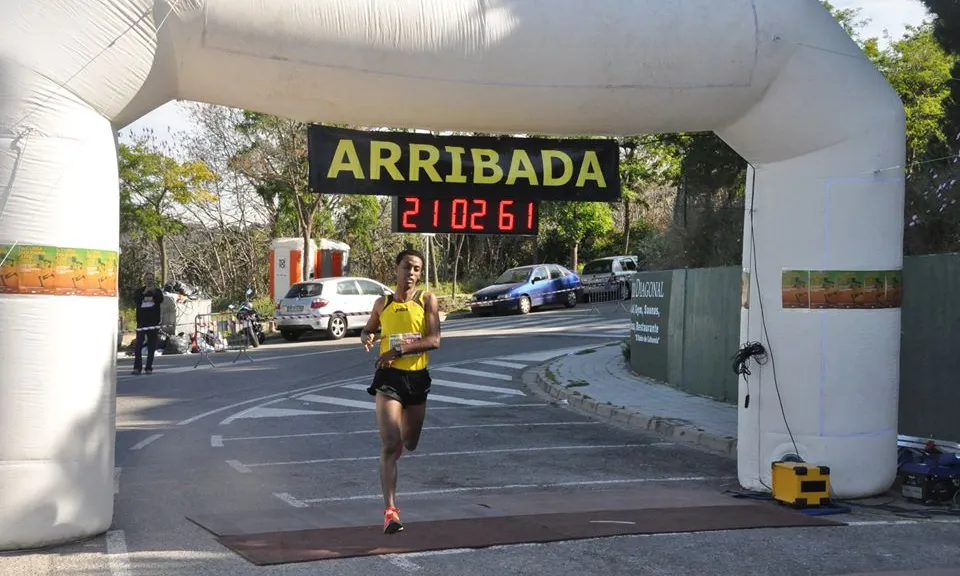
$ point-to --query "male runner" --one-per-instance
(410, 326)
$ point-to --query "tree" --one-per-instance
(946, 30)
(152, 188)
(920, 71)
(574, 221)
(646, 162)
(274, 160)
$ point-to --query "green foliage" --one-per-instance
(153, 187)
(360, 216)
(574, 221)
(920, 70)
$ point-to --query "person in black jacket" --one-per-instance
(147, 299)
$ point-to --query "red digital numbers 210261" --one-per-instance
(467, 215)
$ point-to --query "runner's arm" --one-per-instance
(374, 322)
(430, 341)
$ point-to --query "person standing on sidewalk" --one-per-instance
(410, 326)
(147, 299)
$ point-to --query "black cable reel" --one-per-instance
(749, 350)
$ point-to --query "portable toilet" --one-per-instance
(333, 259)
(286, 264)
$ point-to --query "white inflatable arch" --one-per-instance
(778, 80)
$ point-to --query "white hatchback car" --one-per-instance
(332, 305)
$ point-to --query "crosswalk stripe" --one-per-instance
(503, 364)
(480, 373)
(262, 412)
(451, 384)
(338, 401)
(464, 401)
(478, 387)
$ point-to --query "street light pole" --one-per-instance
(426, 254)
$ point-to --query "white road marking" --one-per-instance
(317, 387)
(338, 401)
(145, 441)
(256, 357)
(243, 413)
(117, 558)
(402, 563)
(585, 335)
(116, 480)
(548, 354)
(236, 465)
(216, 441)
(468, 372)
(434, 397)
(436, 454)
(895, 522)
(450, 399)
(450, 551)
(219, 440)
(477, 387)
(265, 412)
(521, 487)
(432, 409)
(286, 497)
(565, 330)
(285, 393)
(503, 364)
(612, 522)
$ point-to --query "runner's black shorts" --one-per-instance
(410, 387)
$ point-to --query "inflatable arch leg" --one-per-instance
(777, 79)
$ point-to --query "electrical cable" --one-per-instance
(756, 350)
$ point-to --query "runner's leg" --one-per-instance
(416, 409)
(389, 417)
(413, 417)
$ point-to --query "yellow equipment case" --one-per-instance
(801, 485)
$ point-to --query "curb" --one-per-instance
(535, 380)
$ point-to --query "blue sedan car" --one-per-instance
(526, 287)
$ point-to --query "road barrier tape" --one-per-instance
(145, 328)
(310, 315)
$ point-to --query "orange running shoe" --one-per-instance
(391, 521)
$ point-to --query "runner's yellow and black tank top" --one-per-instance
(404, 322)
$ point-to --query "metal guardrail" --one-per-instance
(221, 332)
(609, 290)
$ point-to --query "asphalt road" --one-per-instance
(294, 430)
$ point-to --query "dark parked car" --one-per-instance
(526, 287)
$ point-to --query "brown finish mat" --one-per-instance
(413, 509)
(346, 542)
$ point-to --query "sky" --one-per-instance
(890, 15)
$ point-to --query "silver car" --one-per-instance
(609, 276)
(331, 305)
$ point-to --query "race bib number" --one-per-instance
(407, 338)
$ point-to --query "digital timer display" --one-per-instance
(419, 214)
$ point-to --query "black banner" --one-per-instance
(411, 164)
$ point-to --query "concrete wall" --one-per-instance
(699, 331)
